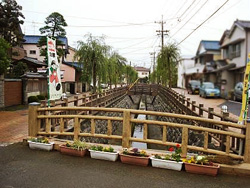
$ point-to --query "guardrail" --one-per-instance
(38, 114)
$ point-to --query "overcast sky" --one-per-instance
(129, 25)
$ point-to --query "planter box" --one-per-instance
(109, 156)
(167, 164)
(41, 146)
(202, 169)
(73, 152)
(135, 160)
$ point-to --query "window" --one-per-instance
(32, 51)
(234, 51)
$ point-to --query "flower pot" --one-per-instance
(41, 146)
(167, 164)
(202, 169)
(70, 151)
(109, 156)
(135, 160)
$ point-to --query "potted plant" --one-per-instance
(134, 156)
(107, 153)
(77, 148)
(41, 143)
(169, 161)
(201, 165)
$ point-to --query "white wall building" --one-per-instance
(142, 72)
(184, 64)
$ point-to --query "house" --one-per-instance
(184, 64)
(143, 74)
(33, 51)
(235, 46)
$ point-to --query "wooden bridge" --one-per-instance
(64, 118)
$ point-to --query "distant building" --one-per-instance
(235, 46)
(184, 64)
(142, 72)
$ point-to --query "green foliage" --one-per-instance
(40, 140)
(9, 22)
(166, 70)
(101, 148)
(54, 25)
(77, 145)
(32, 99)
(40, 97)
(53, 28)
(93, 55)
(135, 152)
(174, 156)
(4, 58)
(19, 69)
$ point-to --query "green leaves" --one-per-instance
(4, 58)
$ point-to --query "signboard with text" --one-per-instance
(54, 78)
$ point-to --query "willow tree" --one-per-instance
(92, 54)
(167, 61)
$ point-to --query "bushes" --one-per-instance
(37, 98)
(33, 99)
(41, 97)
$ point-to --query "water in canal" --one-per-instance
(138, 132)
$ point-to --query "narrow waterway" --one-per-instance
(138, 131)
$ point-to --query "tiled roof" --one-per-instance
(243, 23)
(33, 39)
(211, 45)
(74, 64)
(141, 69)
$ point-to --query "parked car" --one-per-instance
(193, 86)
(238, 91)
(208, 89)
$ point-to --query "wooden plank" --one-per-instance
(92, 126)
(205, 140)
(48, 125)
(184, 142)
(76, 128)
(227, 144)
(164, 133)
(109, 132)
(126, 129)
(145, 131)
(61, 125)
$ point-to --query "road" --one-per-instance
(24, 168)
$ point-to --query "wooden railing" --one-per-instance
(191, 108)
(102, 99)
(126, 117)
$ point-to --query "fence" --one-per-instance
(37, 115)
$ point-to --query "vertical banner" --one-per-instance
(54, 73)
(245, 92)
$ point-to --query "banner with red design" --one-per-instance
(54, 73)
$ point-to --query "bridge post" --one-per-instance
(193, 106)
(126, 132)
(225, 128)
(184, 142)
(32, 119)
(200, 110)
(53, 121)
(188, 102)
(76, 100)
(247, 144)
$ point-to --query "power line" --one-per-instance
(162, 32)
(190, 18)
(203, 22)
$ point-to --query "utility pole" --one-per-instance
(153, 54)
(162, 32)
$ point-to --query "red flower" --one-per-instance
(178, 145)
(171, 149)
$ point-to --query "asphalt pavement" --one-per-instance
(24, 168)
